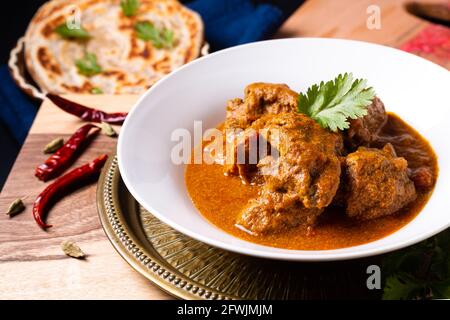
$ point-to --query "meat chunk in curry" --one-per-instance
(308, 188)
(260, 98)
(365, 130)
(377, 183)
(301, 181)
(273, 212)
(304, 176)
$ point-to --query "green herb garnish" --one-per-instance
(96, 90)
(88, 65)
(419, 272)
(160, 38)
(333, 102)
(72, 33)
(129, 7)
(401, 287)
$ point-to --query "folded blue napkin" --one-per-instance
(233, 22)
(17, 111)
(16, 115)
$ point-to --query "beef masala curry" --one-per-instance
(343, 171)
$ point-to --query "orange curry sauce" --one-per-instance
(220, 199)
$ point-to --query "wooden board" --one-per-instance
(31, 262)
(347, 19)
(32, 265)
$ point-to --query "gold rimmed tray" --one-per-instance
(189, 269)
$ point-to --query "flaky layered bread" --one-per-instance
(129, 64)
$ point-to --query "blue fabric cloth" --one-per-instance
(16, 115)
(16, 110)
(233, 22)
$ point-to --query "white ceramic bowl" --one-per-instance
(415, 89)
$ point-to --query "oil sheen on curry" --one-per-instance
(312, 188)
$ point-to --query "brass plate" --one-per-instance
(189, 269)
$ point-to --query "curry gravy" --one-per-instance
(220, 198)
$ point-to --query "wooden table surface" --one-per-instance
(32, 265)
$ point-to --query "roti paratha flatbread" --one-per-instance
(129, 65)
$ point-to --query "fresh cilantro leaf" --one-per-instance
(96, 90)
(168, 37)
(333, 102)
(129, 7)
(72, 33)
(402, 287)
(405, 260)
(146, 31)
(441, 290)
(88, 65)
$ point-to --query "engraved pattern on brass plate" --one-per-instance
(189, 269)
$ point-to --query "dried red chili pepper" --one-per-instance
(62, 157)
(86, 113)
(64, 182)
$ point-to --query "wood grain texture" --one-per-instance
(347, 19)
(32, 265)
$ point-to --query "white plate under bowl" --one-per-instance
(415, 89)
